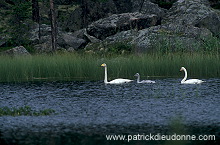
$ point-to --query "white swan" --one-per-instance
(190, 81)
(115, 81)
(143, 81)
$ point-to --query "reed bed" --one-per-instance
(76, 67)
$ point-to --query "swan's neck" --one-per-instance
(138, 79)
(105, 79)
(185, 77)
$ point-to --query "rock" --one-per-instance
(83, 15)
(45, 31)
(185, 28)
(151, 8)
(16, 51)
(145, 25)
(136, 5)
(124, 36)
(45, 47)
(91, 38)
(71, 49)
(197, 13)
(172, 37)
(211, 22)
(67, 40)
(80, 33)
(121, 22)
(186, 31)
(3, 41)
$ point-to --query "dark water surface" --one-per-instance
(87, 111)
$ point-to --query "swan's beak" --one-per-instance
(103, 65)
(181, 69)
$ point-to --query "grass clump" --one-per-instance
(26, 111)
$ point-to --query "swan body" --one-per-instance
(190, 81)
(143, 81)
(115, 81)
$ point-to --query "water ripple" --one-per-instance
(94, 103)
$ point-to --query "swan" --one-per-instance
(190, 81)
(143, 81)
(115, 81)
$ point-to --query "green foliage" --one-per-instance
(21, 10)
(175, 44)
(119, 48)
(19, 22)
(215, 4)
(4, 48)
(166, 46)
(211, 45)
(26, 110)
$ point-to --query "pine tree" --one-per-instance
(19, 21)
(53, 26)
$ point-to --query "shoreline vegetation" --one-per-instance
(86, 67)
(24, 111)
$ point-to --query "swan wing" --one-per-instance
(147, 81)
(119, 81)
(193, 81)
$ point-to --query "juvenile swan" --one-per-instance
(143, 81)
(190, 81)
(115, 81)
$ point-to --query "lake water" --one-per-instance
(86, 111)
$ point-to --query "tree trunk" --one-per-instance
(36, 15)
(84, 7)
(35, 11)
(53, 26)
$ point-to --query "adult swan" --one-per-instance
(190, 81)
(115, 81)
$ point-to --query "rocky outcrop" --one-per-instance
(121, 22)
(186, 25)
(76, 17)
(196, 13)
(81, 15)
(41, 38)
(39, 33)
(166, 38)
(19, 50)
(184, 28)
(145, 26)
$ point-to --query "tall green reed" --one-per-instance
(87, 67)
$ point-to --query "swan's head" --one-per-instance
(182, 69)
(136, 75)
(103, 65)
